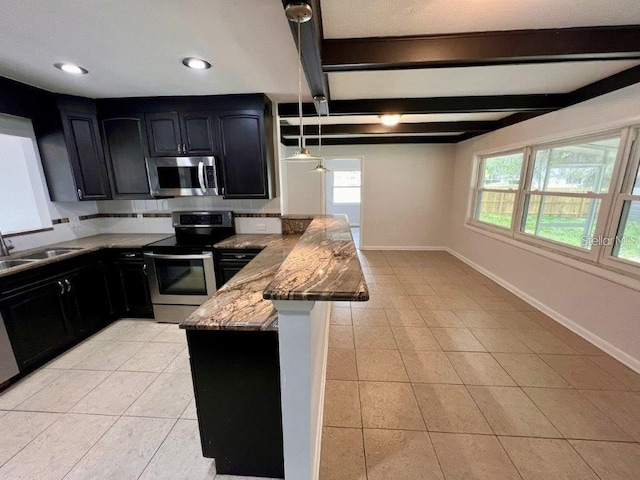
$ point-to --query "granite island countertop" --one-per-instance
(322, 264)
(82, 246)
(239, 305)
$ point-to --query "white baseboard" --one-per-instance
(615, 352)
(402, 248)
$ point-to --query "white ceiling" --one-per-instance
(467, 81)
(135, 48)
(384, 18)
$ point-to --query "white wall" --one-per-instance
(405, 193)
(352, 211)
(605, 308)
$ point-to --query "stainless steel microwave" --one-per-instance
(182, 176)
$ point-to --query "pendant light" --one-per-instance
(320, 168)
(300, 13)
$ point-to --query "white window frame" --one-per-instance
(609, 216)
(605, 198)
(623, 194)
(479, 176)
(333, 189)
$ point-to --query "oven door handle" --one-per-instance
(202, 256)
(201, 178)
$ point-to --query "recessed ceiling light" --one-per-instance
(390, 119)
(196, 63)
(71, 68)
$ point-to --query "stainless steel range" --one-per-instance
(180, 268)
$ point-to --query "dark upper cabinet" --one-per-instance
(82, 136)
(198, 133)
(71, 150)
(243, 155)
(163, 131)
(180, 133)
(125, 143)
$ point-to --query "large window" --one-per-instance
(578, 197)
(498, 182)
(565, 190)
(346, 186)
(22, 192)
(625, 246)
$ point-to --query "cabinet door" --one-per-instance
(136, 298)
(37, 324)
(163, 132)
(88, 290)
(198, 133)
(87, 157)
(125, 142)
(244, 163)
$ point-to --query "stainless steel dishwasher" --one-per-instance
(8, 365)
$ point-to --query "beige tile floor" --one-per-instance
(443, 375)
(446, 375)
(118, 406)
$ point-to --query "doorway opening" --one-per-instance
(343, 191)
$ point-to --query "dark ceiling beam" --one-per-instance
(377, 140)
(311, 33)
(482, 48)
(489, 103)
(379, 129)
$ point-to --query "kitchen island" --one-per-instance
(258, 351)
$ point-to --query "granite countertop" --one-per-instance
(250, 240)
(239, 305)
(322, 266)
(83, 245)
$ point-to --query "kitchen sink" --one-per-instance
(4, 264)
(49, 254)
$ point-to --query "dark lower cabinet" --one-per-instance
(228, 262)
(236, 378)
(129, 285)
(88, 290)
(46, 313)
(125, 143)
(38, 322)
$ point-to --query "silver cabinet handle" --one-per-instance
(144, 269)
(62, 288)
(130, 255)
(179, 148)
(240, 256)
(68, 284)
(79, 194)
(203, 185)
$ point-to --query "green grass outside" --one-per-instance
(570, 235)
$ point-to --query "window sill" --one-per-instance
(606, 272)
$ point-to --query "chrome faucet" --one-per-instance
(4, 248)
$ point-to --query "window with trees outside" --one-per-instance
(498, 183)
(346, 186)
(579, 197)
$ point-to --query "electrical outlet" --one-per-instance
(261, 226)
(74, 224)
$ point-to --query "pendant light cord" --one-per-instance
(300, 86)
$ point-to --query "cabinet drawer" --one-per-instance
(237, 255)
